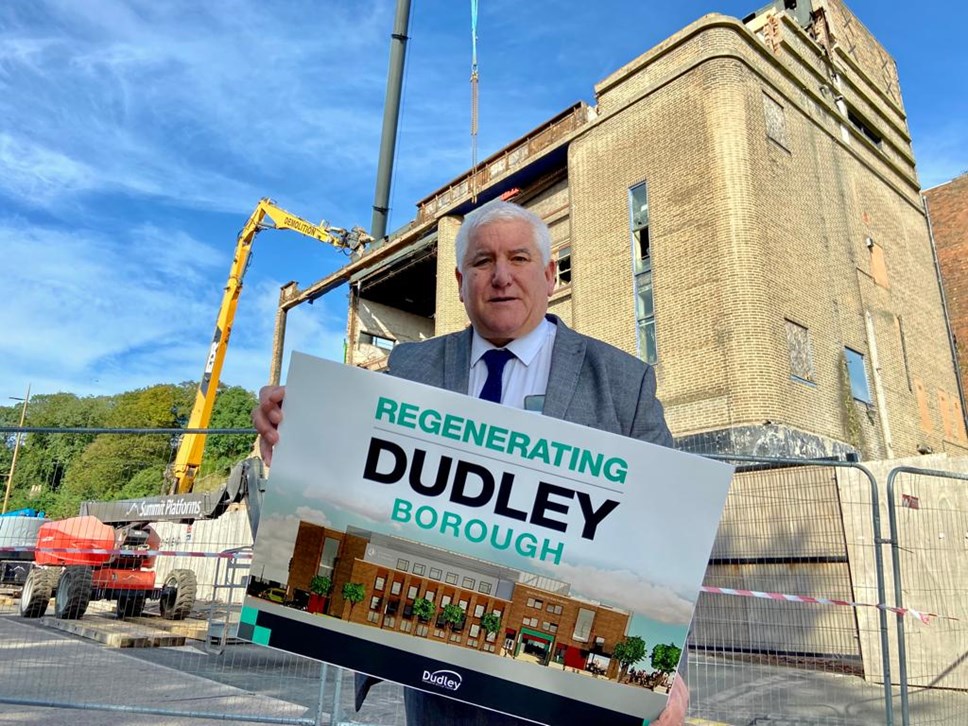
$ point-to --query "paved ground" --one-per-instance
(41, 665)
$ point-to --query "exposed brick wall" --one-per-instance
(948, 208)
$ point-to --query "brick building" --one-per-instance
(948, 209)
(739, 206)
(537, 617)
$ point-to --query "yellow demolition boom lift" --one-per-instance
(189, 456)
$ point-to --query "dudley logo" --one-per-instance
(448, 680)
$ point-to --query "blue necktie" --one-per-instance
(495, 360)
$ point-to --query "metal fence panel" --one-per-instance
(792, 532)
(929, 537)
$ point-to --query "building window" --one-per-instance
(878, 264)
(863, 127)
(418, 569)
(430, 595)
(857, 372)
(468, 583)
(378, 340)
(479, 611)
(642, 268)
(451, 578)
(583, 625)
(474, 631)
(435, 574)
(801, 352)
(380, 583)
(395, 587)
(373, 617)
(411, 592)
(375, 603)
(484, 587)
(775, 121)
(402, 565)
(563, 266)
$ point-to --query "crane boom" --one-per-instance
(189, 456)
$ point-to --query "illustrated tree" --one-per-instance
(353, 592)
(320, 585)
(452, 614)
(423, 609)
(628, 652)
(665, 658)
(490, 624)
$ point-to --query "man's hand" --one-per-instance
(674, 714)
(266, 418)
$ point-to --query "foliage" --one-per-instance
(629, 651)
(665, 658)
(452, 614)
(423, 608)
(320, 585)
(354, 592)
(57, 471)
(233, 409)
(490, 623)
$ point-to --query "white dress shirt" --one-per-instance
(526, 374)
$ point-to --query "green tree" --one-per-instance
(233, 409)
(115, 463)
(665, 658)
(452, 614)
(320, 585)
(629, 651)
(353, 592)
(423, 609)
(44, 457)
(490, 624)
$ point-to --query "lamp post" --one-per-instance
(16, 448)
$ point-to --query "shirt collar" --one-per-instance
(525, 348)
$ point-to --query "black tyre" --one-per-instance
(73, 593)
(36, 593)
(130, 605)
(178, 595)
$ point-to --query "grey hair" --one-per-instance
(501, 211)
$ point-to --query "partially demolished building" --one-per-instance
(740, 206)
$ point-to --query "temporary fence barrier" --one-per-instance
(794, 624)
(928, 512)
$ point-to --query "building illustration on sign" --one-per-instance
(453, 599)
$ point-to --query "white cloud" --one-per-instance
(627, 590)
(276, 540)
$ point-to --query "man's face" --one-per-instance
(503, 284)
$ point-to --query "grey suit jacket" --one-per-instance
(590, 383)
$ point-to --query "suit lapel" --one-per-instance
(457, 357)
(566, 361)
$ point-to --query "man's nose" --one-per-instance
(501, 276)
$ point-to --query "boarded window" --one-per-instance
(801, 352)
(775, 121)
(878, 265)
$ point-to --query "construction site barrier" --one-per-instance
(928, 513)
(800, 618)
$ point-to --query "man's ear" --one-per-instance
(460, 283)
(550, 276)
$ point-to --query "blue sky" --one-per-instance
(137, 137)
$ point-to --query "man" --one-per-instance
(515, 354)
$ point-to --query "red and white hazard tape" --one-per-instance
(132, 553)
(923, 617)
